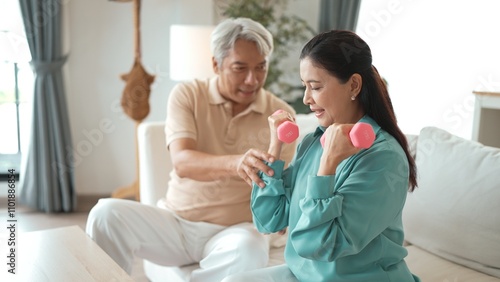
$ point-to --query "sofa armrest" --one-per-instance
(154, 162)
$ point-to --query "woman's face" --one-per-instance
(328, 97)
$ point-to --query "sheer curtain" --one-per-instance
(338, 14)
(46, 174)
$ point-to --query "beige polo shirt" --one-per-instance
(197, 110)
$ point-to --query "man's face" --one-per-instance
(242, 73)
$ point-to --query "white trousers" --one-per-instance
(279, 273)
(124, 229)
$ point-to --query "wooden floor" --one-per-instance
(30, 220)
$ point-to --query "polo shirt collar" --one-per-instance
(215, 98)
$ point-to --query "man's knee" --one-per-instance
(104, 214)
(252, 248)
(255, 251)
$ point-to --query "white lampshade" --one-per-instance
(190, 55)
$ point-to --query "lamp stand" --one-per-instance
(131, 191)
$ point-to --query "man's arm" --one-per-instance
(200, 166)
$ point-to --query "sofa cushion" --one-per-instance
(307, 123)
(429, 267)
(454, 212)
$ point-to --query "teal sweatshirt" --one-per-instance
(342, 227)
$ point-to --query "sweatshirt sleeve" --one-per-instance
(344, 219)
(270, 205)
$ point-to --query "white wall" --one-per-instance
(434, 54)
(101, 48)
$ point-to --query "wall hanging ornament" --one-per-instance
(135, 99)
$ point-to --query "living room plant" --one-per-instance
(289, 32)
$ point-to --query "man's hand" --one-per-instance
(250, 163)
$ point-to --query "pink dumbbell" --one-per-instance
(287, 131)
(361, 134)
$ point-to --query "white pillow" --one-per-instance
(307, 123)
(455, 211)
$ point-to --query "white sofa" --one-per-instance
(452, 221)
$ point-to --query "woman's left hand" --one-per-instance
(336, 148)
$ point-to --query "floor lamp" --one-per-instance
(190, 55)
(135, 100)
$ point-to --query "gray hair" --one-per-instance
(228, 31)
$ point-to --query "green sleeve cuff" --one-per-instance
(320, 187)
(277, 166)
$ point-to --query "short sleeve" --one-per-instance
(180, 122)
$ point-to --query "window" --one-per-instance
(433, 55)
(16, 87)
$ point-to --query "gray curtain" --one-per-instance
(338, 14)
(47, 169)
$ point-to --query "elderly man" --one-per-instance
(217, 134)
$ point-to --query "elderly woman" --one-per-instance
(341, 204)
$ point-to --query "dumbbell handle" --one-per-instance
(361, 135)
(287, 131)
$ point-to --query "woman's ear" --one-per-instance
(215, 65)
(356, 82)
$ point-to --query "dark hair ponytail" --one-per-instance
(342, 53)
